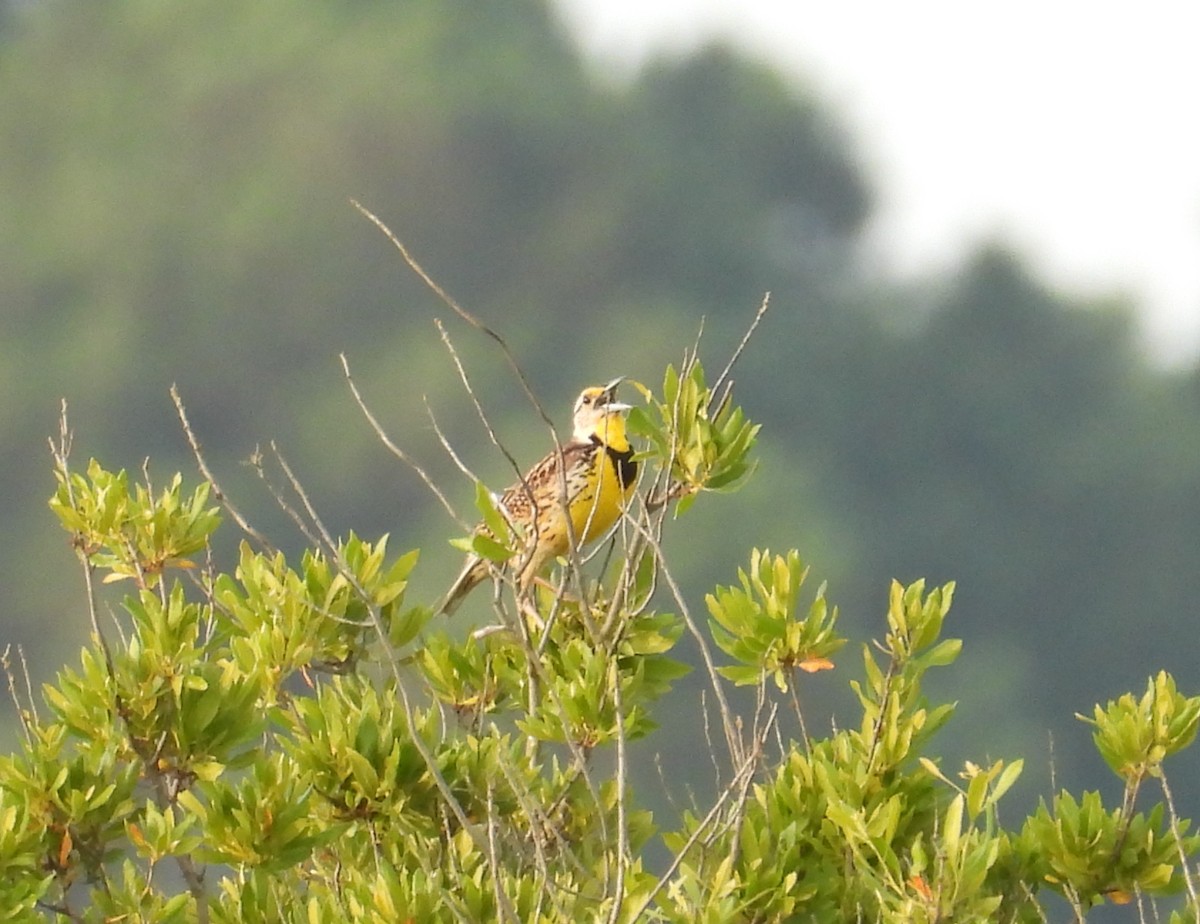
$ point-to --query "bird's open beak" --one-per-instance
(610, 392)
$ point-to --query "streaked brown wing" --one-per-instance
(543, 482)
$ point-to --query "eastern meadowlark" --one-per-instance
(594, 473)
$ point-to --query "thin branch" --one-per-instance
(483, 418)
(62, 910)
(449, 448)
(622, 776)
(746, 768)
(298, 488)
(799, 712)
(1178, 835)
(387, 441)
(256, 463)
(502, 902)
(731, 736)
(758, 316)
(206, 473)
(27, 716)
(454, 306)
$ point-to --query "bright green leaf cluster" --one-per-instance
(68, 807)
(855, 826)
(354, 746)
(1090, 853)
(263, 820)
(1134, 736)
(21, 852)
(323, 615)
(757, 623)
(593, 694)
(895, 718)
(701, 445)
(133, 535)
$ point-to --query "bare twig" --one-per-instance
(27, 715)
(483, 417)
(449, 448)
(256, 463)
(732, 739)
(1178, 835)
(387, 441)
(762, 310)
(502, 902)
(206, 473)
(743, 770)
(62, 909)
(455, 306)
(799, 712)
(622, 776)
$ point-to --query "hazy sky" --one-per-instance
(1070, 129)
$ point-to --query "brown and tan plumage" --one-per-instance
(598, 474)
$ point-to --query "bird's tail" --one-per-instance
(472, 574)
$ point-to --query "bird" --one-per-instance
(597, 469)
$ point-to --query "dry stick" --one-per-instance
(483, 418)
(762, 310)
(25, 716)
(256, 462)
(712, 751)
(537, 816)
(731, 738)
(745, 768)
(206, 473)
(718, 395)
(452, 453)
(63, 909)
(760, 736)
(622, 775)
(494, 858)
(799, 713)
(392, 447)
(455, 307)
(1178, 834)
(737, 817)
(61, 452)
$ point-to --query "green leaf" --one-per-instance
(486, 547)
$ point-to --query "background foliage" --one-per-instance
(173, 208)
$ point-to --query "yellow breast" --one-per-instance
(609, 484)
(596, 508)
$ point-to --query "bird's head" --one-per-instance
(599, 413)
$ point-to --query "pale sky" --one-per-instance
(1068, 128)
